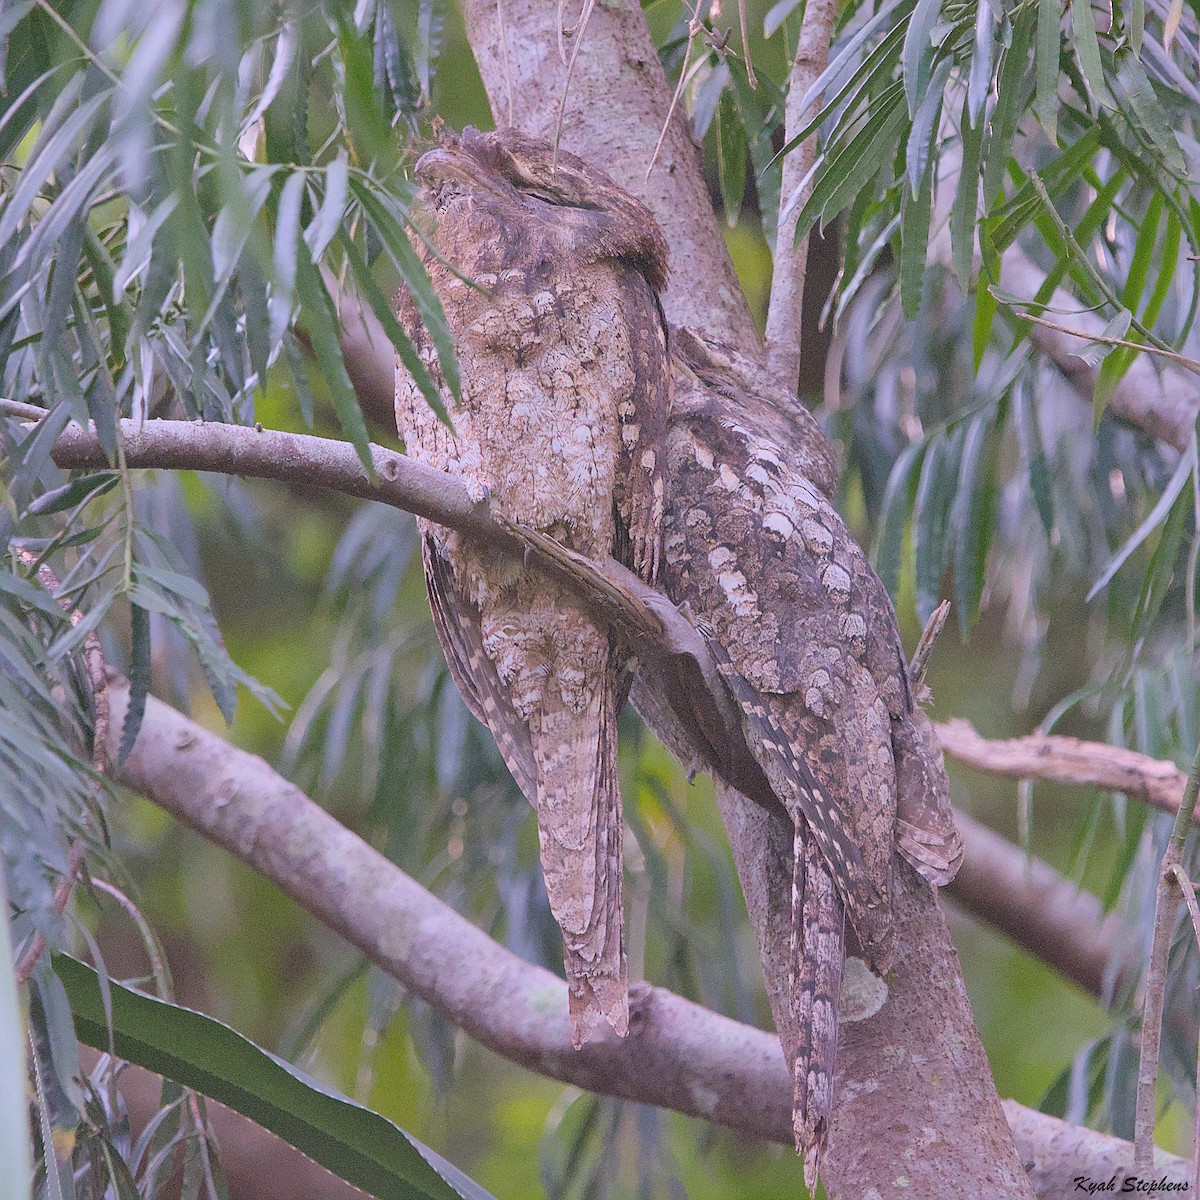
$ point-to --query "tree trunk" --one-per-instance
(918, 1112)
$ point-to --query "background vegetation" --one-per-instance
(150, 265)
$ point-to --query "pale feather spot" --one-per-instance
(729, 478)
(649, 459)
(802, 490)
(720, 557)
(837, 582)
(704, 457)
(779, 523)
(817, 536)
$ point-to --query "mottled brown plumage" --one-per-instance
(562, 352)
(805, 638)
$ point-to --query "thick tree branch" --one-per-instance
(1029, 902)
(1068, 760)
(677, 1055)
(791, 259)
(995, 883)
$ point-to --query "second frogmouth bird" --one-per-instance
(805, 639)
(549, 276)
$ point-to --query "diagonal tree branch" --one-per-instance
(677, 1055)
(1068, 760)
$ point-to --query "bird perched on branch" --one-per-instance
(805, 639)
(549, 276)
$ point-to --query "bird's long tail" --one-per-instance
(579, 825)
(818, 932)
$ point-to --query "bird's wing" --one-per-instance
(459, 630)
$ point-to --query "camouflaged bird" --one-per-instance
(805, 638)
(562, 351)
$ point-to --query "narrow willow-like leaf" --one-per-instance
(931, 518)
(731, 156)
(986, 304)
(382, 309)
(1156, 516)
(980, 79)
(914, 243)
(86, 487)
(1012, 97)
(325, 225)
(139, 679)
(353, 1142)
(965, 208)
(390, 228)
(973, 518)
(896, 508)
(843, 178)
(871, 74)
(919, 150)
(1146, 111)
(1048, 44)
(1087, 49)
(777, 14)
(918, 51)
(1033, 455)
(318, 315)
(431, 32)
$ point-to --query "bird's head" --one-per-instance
(578, 205)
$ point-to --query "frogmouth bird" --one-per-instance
(805, 639)
(549, 275)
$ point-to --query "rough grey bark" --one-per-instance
(616, 106)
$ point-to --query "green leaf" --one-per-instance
(986, 303)
(328, 221)
(777, 14)
(1013, 88)
(1087, 49)
(287, 235)
(403, 346)
(1146, 111)
(973, 518)
(897, 504)
(731, 156)
(389, 225)
(1136, 27)
(914, 243)
(16, 1182)
(839, 181)
(980, 80)
(964, 211)
(918, 51)
(931, 519)
(921, 138)
(139, 679)
(86, 487)
(353, 1142)
(1048, 44)
(1033, 456)
(1156, 516)
(319, 318)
